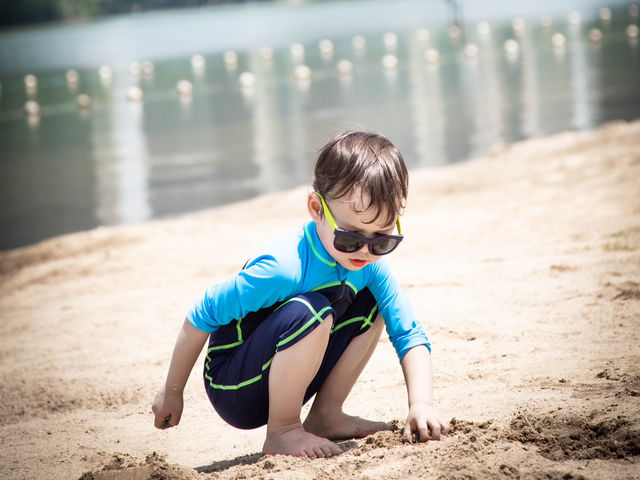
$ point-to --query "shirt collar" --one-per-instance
(311, 234)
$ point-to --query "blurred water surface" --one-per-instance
(70, 169)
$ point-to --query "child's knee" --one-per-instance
(310, 304)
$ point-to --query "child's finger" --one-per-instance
(167, 422)
(160, 422)
(407, 433)
(435, 431)
(423, 432)
(445, 427)
(173, 419)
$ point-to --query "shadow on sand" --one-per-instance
(253, 458)
(225, 464)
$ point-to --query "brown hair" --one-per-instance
(368, 163)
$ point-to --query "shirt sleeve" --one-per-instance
(403, 327)
(262, 283)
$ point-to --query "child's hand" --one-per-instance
(423, 424)
(167, 408)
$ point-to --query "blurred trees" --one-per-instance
(17, 12)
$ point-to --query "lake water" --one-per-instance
(70, 169)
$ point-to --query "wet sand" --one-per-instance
(524, 267)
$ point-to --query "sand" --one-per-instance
(524, 267)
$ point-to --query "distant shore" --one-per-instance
(61, 11)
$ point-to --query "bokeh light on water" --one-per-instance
(253, 126)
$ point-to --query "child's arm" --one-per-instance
(416, 367)
(167, 406)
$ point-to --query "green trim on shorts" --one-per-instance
(317, 316)
(240, 341)
(366, 321)
(234, 387)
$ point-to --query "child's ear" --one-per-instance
(314, 205)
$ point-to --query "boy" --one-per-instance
(303, 317)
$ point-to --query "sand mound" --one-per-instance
(123, 467)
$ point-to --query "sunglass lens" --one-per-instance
(383, 245)
(347, 242)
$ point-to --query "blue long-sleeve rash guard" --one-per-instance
(297, 264)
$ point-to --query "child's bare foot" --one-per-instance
(338, 425)
(298, 442)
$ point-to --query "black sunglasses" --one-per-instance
(348, 242)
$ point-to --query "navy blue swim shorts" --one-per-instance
(236, 373)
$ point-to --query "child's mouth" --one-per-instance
(358, 263)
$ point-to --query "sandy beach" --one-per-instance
(524, 266)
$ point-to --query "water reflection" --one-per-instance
(583, 79)
(173, 154)
(121, 159)
(298, 144)
(267, 131)
(530, 80)
(427, 108)
(489, 117)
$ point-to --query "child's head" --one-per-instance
(364, 181)
(366, 169)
